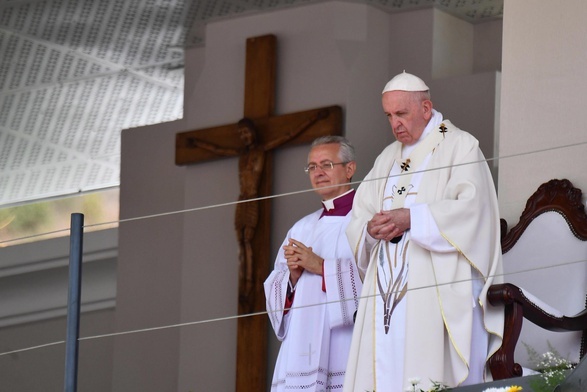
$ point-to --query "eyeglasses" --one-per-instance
(324, 166)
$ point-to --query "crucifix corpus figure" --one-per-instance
(250, 168)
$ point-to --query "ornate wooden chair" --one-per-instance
(544, 253)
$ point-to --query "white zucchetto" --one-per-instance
(405, 82)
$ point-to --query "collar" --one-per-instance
(339, 206)
(435, 120)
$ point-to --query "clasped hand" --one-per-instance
(301, 257)
(386, 225)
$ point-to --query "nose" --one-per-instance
(393, 121)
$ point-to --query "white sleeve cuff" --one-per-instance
(425, 232)
(369, 241)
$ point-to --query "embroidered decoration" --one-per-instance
(442, 129)
(406, 165)
(392, 282)
(396, 192)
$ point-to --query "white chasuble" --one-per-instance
(317, 330)
(416, 313)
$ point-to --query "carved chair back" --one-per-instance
(545, 254)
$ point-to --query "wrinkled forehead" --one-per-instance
(399, 96)
(396, 101)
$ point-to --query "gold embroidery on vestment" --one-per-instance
(392, 294)
(466, 258)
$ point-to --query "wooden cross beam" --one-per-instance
(253, 140)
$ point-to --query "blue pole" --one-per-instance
(73, 301)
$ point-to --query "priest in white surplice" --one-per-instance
(425, 232)
(316, 281)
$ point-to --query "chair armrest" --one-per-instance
(535, 310)
(519, 305)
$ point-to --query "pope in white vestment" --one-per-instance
(425, 232)
(312, 312)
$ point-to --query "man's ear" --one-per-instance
(351, 167)
(427, 107)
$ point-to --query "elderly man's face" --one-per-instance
(407, 116)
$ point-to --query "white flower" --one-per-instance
(414, 381)
(436, 386)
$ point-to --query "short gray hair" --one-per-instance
(346, 152)
(421, 96)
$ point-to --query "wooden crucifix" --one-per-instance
(253, 139)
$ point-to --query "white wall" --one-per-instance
(33, 309)
(452, 52)
(150, 259)
(487, 46)
(542, 106)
